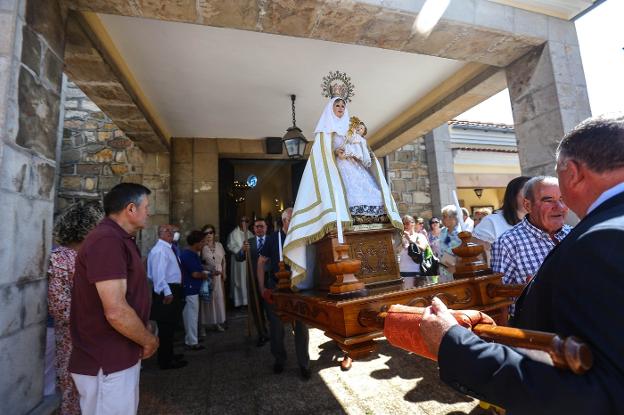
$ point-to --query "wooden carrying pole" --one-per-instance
(253, 300)
(566, 353)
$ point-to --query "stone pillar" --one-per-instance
(548, 97)
(206, 183)
(182, 183)
(441, 172)
(31, 62)
(194, 183)
(409, 179)
(156, 178)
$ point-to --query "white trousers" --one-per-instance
(190, 316)
(114, 394)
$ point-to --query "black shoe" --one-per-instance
(278, 368)
(179, 356)
(195, 347)
(262, 340)
(176, 364)
(305, 373)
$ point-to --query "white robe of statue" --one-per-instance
(238, 269)
(362, 190)
(324, 192)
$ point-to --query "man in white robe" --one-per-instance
(238, 266)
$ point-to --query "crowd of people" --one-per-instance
(103, 319)
(101, 306)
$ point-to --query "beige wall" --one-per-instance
(490, 197)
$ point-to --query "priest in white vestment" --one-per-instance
(328, 186)
(238, 265)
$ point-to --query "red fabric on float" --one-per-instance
(402, 327)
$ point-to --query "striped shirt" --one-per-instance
(520, 251)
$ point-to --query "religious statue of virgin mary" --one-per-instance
(342, 181)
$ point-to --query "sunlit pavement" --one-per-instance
(233, 376)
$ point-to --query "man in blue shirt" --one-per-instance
(193, 275)
(266, 282)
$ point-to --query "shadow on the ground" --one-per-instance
(233, 376)
(404, 365)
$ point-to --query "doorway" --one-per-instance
(276, 186)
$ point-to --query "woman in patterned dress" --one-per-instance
(212, 312)
(71, 227)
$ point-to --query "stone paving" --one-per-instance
(233, 376)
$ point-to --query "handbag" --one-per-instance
(429, 263)
(205, 289)
(414, 252)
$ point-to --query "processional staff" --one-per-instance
(401, 325)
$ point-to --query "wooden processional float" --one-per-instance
(360, 279)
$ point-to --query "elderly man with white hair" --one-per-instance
(519, 252)
(577, 291)
(270, 253)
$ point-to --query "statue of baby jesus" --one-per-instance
(353, 146)
(354, 159)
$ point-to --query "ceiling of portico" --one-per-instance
(226, 83)
(563, 9)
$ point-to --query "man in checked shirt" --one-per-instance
(519, 252)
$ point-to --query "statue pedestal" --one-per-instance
(371, 245)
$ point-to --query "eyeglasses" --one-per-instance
(245, 220)
(209, 232)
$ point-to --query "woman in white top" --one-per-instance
(494, 225)
(448, 241)
(407, 266)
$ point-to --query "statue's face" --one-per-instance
(361, 130)
(339, 108)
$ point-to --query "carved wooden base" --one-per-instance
(355, 352)
(346, 363)
(371, 246)
(339, 318)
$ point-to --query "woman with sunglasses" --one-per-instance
(212, 312)
(448, 241)
(434, 236)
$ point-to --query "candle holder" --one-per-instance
(470, 261)
(283, 277)
(344, 269)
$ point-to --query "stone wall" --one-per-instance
(31, 62)
(409, 179)
(96, 155)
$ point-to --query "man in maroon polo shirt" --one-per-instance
(110, 307)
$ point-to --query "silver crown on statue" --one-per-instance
(338, 84)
